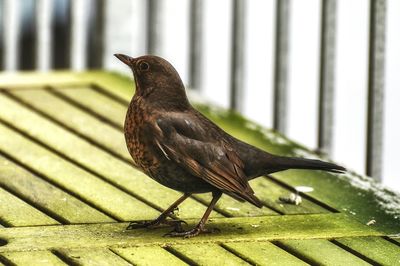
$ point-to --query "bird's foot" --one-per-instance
(177, 224)
(192, 232)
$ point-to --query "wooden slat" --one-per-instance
(98, 103)
(232, 207)
(321, 252)
(151, 256)
(48, 197)
(15, 212)
(236, 229)
(73, 179)
(119, 173)
(268, 192)
(92, 257)
(376, 249)
(75, 119)
(29, 258)
(207, 254)
(263, 253)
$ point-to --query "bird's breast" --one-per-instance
(137, 140)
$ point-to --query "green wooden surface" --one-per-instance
(67, 186)
(43, 195)
(148, 255)
(98, 161)
(72, 178)
(92, 257)
(15, 212)
(377, 249)
(207, 254)
(264, 228)
(263, 253)
(321, 252)
(45, 258)
(75, 119)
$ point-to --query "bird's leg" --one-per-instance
(199, 228)
(162, 219)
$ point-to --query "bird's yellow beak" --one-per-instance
(125, 59)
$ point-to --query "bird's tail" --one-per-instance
(302, 163)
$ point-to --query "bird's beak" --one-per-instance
(125, 59)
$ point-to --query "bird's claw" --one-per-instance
(141, 224)
(177, 224)
(192, 232)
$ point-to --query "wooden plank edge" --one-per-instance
(267, 228)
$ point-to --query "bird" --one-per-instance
(177, 146)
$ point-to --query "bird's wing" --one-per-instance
(198, 150)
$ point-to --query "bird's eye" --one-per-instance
(143, 66)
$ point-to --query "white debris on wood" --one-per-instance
(293, 198)
(304, 189)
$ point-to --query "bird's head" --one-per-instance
(157, 81)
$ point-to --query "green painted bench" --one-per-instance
(68, 190)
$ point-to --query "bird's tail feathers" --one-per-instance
(303, 163)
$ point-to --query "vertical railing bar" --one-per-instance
(281, 65)
(43, 46)
(237, 54)
(61, 34)
(2, 14)
(95, 44)
(11, 34)
(375, 88)
(153, 26)
(78, 34)
(195, 43)
(27, 37)
(327, 76)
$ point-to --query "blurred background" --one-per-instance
(323, 72)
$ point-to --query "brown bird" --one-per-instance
(177, 146)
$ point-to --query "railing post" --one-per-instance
(237, 54)
(1, 34)
(195, 43)
(79, 33)
(281, 64)
(376, 72)
(43, 19)
(154, 24)
(61, 34)
(327, 76)
(11, 34)
(96, 34)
